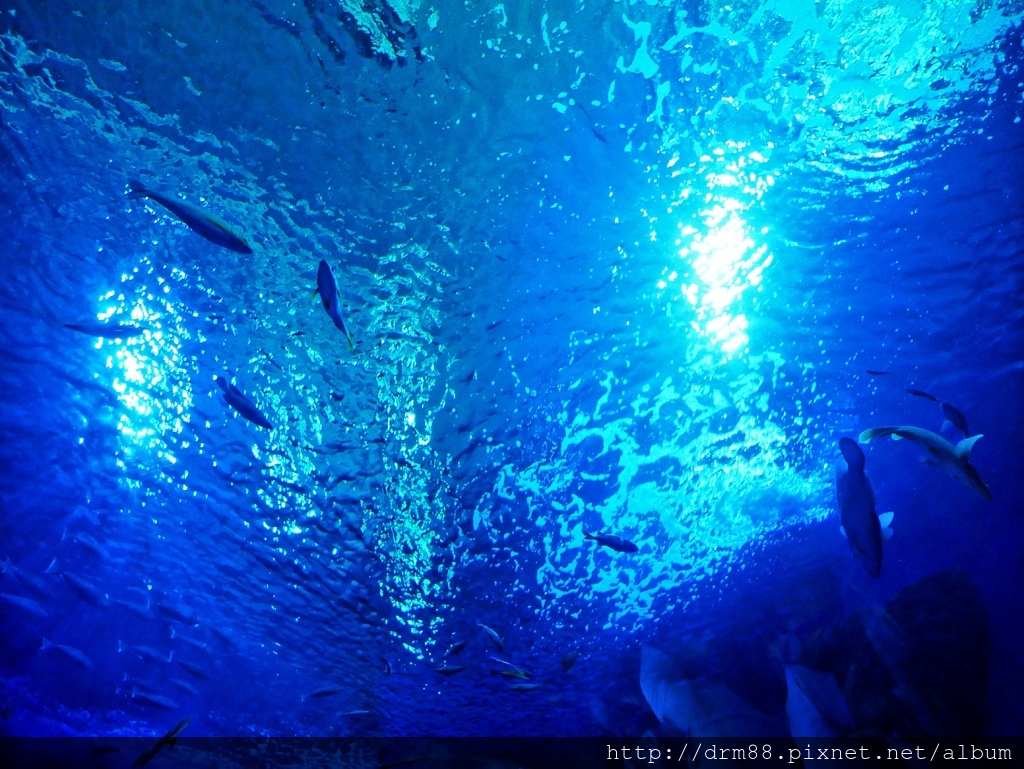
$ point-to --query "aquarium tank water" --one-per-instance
(642, 369)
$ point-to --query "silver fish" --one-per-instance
(204, 224)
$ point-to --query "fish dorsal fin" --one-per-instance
(963, 448)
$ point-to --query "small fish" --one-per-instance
(457, 647)
(138, 609)
(183, 685)
(873, 372)
(108, 330)
(234, 398)
(146, 653)
(195, 643)
(493, 636)
(449, 670)
(153, 700)
(923, 394)
(36, 585)
(327, 287)
(615, 543)
(194, 670)
(524, 687)
(177, 611)
(88, 542)
(355, 713)
(84, 589)
(169, 740)
(954, 460)
(32, 607)
(956, 418)
(511, 670)
(326, 691)
(196, 219)
(568, 660)
(70, 652)
(856, 502)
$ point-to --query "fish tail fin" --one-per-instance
(52, 567)
(137, 189)
(47, 644)
(351, 344)
(170, 656)
(588, 535)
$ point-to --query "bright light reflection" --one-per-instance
(725, 260)
(142, 368)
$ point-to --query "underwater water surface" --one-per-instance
(554, 448)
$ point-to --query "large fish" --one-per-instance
(815, 705)
(327, 287)
(856, 501)
(955, 460)
(699, 706)
(196, 219)
(234, 398)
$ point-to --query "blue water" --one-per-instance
(621, 268)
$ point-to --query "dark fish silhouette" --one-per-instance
(956, 418)
(194, 670)
(923, 394)
(196, 219)
(327, 287)
(326, 691)
(877, 373)
(107, 330)
(178, 611)
(449, 670)
(615, 543)
(169, 739)
(234, 398)
(456, 648)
